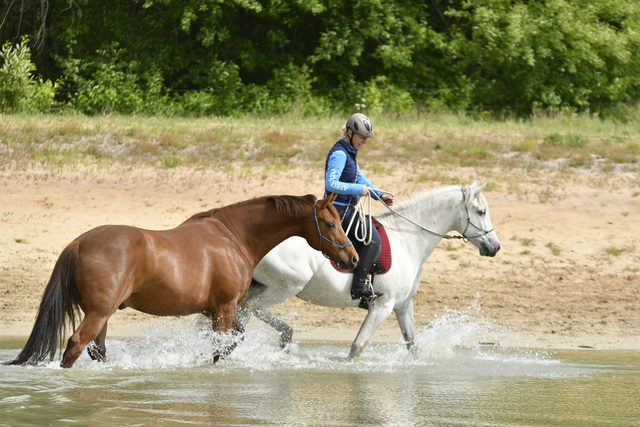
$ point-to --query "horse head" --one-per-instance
(474, 222)
(331, 238)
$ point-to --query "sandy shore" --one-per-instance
(567, 275)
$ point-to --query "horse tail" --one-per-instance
(58, 306)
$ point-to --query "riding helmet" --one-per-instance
(361, 124)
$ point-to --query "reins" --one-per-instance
(444, 236)
(360, 232)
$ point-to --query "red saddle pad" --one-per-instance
(385, 257)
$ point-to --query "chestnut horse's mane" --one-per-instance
(288, 205)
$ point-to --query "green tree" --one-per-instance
(232, 56)
(552, 55)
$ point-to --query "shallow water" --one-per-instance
(166, 378)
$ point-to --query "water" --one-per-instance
(166, 378)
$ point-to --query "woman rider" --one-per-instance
(343, 176)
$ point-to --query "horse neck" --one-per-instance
(263, 228)
(436, 210)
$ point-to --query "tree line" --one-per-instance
(227, 57)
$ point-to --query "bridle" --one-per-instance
(340, 247)
(464, 237)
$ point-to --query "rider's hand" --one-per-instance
(365, 190)
(388, 199)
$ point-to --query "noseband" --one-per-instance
(340, 247)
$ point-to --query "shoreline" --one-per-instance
(384, 335)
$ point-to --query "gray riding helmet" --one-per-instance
(361, 124)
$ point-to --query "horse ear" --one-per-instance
(475, 183)
(478, 190)
(322, 203)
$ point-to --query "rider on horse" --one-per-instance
(344, 177)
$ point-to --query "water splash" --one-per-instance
(457, 337)
(467, 337)
(467, 328)
(165, 344)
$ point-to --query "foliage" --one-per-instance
(19, 90)
(384, 97)
(230, 57)
(556, 55)
(109, 84)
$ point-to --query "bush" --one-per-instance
(222, 95)
(291, 88)
(384, 97)
(111, 85)
(19, 90)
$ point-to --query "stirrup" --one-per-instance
(364, 301)
(366, 291)
(371, 296)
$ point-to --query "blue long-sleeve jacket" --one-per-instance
(343, 175)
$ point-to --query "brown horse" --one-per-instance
(202, 266)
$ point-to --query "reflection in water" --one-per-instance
(167, 378)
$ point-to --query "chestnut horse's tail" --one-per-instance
(59, 305)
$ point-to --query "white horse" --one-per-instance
(294, 269)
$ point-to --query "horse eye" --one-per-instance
(331, 225)
(482, 212)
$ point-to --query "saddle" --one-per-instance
(383, 263)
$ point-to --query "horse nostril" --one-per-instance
(354, 260)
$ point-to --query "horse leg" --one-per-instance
(261, 298)
(89, 328)
(98, 351)
(245, 311)
(376, 317)
(243, 314)
(407, 324)
(224, 321)
(285, 331)
(237, 328)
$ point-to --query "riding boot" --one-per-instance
(360, 287)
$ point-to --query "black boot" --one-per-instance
(360, 288)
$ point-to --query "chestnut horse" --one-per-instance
(202, 266)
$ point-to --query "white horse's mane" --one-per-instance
(416, 200)
(419, 199)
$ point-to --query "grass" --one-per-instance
(526, 242)
(424, 144)
(554, 249)
(613, 250)
(171, 161)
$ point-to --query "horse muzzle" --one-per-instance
(489, 250)
(348, 263)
